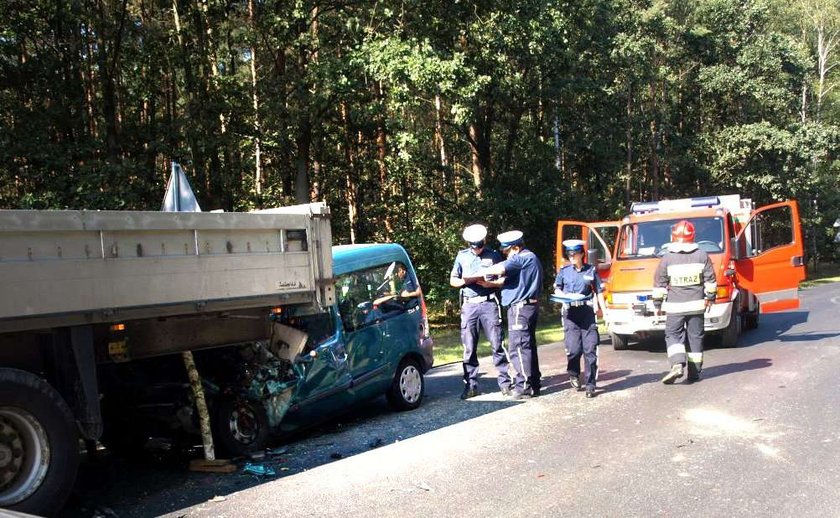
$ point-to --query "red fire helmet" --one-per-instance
(682, 232)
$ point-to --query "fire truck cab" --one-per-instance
(757, 256)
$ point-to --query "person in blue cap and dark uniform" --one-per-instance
(480, 307)
(523, 275)
(581, 330)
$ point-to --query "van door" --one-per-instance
(323, 366)
(600, 238)
(770, 256)
(362, 313)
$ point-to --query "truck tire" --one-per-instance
(751, 318)
(39, 446)
(239, 426)
(729, 336)
(408, 386)
(619, 342)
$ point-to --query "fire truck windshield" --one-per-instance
(651, 238)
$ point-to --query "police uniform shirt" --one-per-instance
(569, 280)
(467, 264)
(523, 278)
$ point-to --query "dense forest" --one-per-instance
(414, 118)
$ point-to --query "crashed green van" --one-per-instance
(373, 341)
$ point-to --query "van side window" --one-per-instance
(319, 326)
(372, 295)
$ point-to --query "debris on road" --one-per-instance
(278, 451)
(260, 470)
(212, 466)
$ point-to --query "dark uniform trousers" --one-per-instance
(488, 316)
(581, 336)
(522, 329)
(676, 328)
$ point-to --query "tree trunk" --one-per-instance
(628, 132)
(258, 177)
(350, 184)
(441, 142)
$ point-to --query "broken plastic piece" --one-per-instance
(278, 451)
(260, 470)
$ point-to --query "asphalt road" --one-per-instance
(759, 435)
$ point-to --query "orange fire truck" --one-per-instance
(758, 257)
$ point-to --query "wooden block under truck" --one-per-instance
(758, 256)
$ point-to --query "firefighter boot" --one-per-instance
(675, 374)
(693, 372)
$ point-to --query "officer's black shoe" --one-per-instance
(535, 391)
(693, 377)
(590, 392)
(469, 392)
(574, 381)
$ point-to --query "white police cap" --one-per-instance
(574, 244)
(510, 238)
(475, 233)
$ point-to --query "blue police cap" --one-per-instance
(573, 245)
(510, 238)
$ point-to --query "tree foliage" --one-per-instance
(413, 119)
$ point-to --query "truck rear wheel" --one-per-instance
(39, 448)
(619, 342)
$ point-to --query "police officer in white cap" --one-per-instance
(581, 330)
(523, 275)
(480, 307)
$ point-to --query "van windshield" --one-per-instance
(651, 238)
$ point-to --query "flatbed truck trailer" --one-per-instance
(80, 290)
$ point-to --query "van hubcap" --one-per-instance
(411, 384)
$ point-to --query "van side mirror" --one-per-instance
(592, 256)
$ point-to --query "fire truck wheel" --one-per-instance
(751, 319)
(729, 337)
(619, 342)
(39, 447)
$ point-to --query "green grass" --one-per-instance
(448, 346)
(825, 273)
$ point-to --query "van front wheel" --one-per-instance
(406, 392)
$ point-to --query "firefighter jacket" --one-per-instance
(686, 274)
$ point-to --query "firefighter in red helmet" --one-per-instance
(685, 279)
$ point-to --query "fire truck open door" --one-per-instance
(769, 253)
(600, 238)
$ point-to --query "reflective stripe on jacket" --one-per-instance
(687, 277)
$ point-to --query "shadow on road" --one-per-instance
(730, 368)
(808, 337)
(158, 482)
